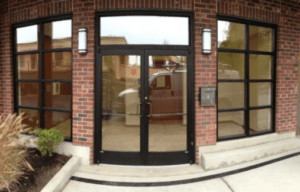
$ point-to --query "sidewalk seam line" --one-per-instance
(227, 184)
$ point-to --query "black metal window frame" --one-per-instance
(247, 80)
(41, 80)
(99, 49)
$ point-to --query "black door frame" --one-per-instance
(153, 158)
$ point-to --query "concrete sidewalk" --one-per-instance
(282, 175)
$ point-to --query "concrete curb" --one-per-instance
(59, 181)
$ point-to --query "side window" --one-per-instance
(162, 82)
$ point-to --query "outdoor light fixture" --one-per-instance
(82, 40)
(206, 41)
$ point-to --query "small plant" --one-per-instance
(12, 157)
(47, 140)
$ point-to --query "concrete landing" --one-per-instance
(276, 173)
(228, 158)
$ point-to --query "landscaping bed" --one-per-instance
(44, 171)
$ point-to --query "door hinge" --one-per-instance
(99, 50)
(101, 151)
(186, 151)
(192, 143)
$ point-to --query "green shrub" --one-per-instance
(47, 140)
(12, 157)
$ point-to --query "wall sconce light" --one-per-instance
(206, 41)
(82, 40)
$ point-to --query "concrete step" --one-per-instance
(223, 159)
(140, 171)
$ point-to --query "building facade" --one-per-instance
(135, 96)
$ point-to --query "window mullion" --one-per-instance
(247, 84)
(42, 95)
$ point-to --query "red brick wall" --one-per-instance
(286, 14)
(6, 84)
(83, 76)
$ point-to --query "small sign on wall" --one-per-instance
(207, 96)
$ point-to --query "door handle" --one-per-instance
(150, 105)
(137, 109)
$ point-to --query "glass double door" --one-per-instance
(144, 118)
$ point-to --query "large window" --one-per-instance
(144, 30)
(246, 78)
(43, 73)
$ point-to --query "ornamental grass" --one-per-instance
(13, 164)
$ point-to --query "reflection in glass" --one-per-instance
(260, 94)
(28, 66)
(31, 118)
(230, 95)
(260, 66)
(167, 103)
(231, 123)
(159, 30)
(121, 102)
(260, 120)
(58, 95)
(231, 35)
(27, 38)
(260, 38)
(60, 121)
(58, 34)
(29, 94)
(57, 65)
(231, 65)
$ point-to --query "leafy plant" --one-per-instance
(12, 157)
(47, 140)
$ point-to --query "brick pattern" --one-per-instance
(268, 11)
(287, 66)
(205, 72)
(22, 10)
(284, 13)
(83, 76)
(6, 73)
(144, 4)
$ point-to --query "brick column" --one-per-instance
(287, 67)
(205, 73)
(83, 76)
(6, 66)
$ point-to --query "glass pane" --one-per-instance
(231, 124)
(260, 38)
(60, 121)
(58, 95)
(121, 102)
(260, 66)
(230, 95)
(231, 35)
(28, 66)
(167, 103)
(29, 94)
(27, 38)
(231, 65)
(260, 120)
(31, 118)
(58, 34)
(58, 65)
(144, 30)
(260, 94)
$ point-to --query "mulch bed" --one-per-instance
(44, 171)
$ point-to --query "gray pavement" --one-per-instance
(280, 176)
